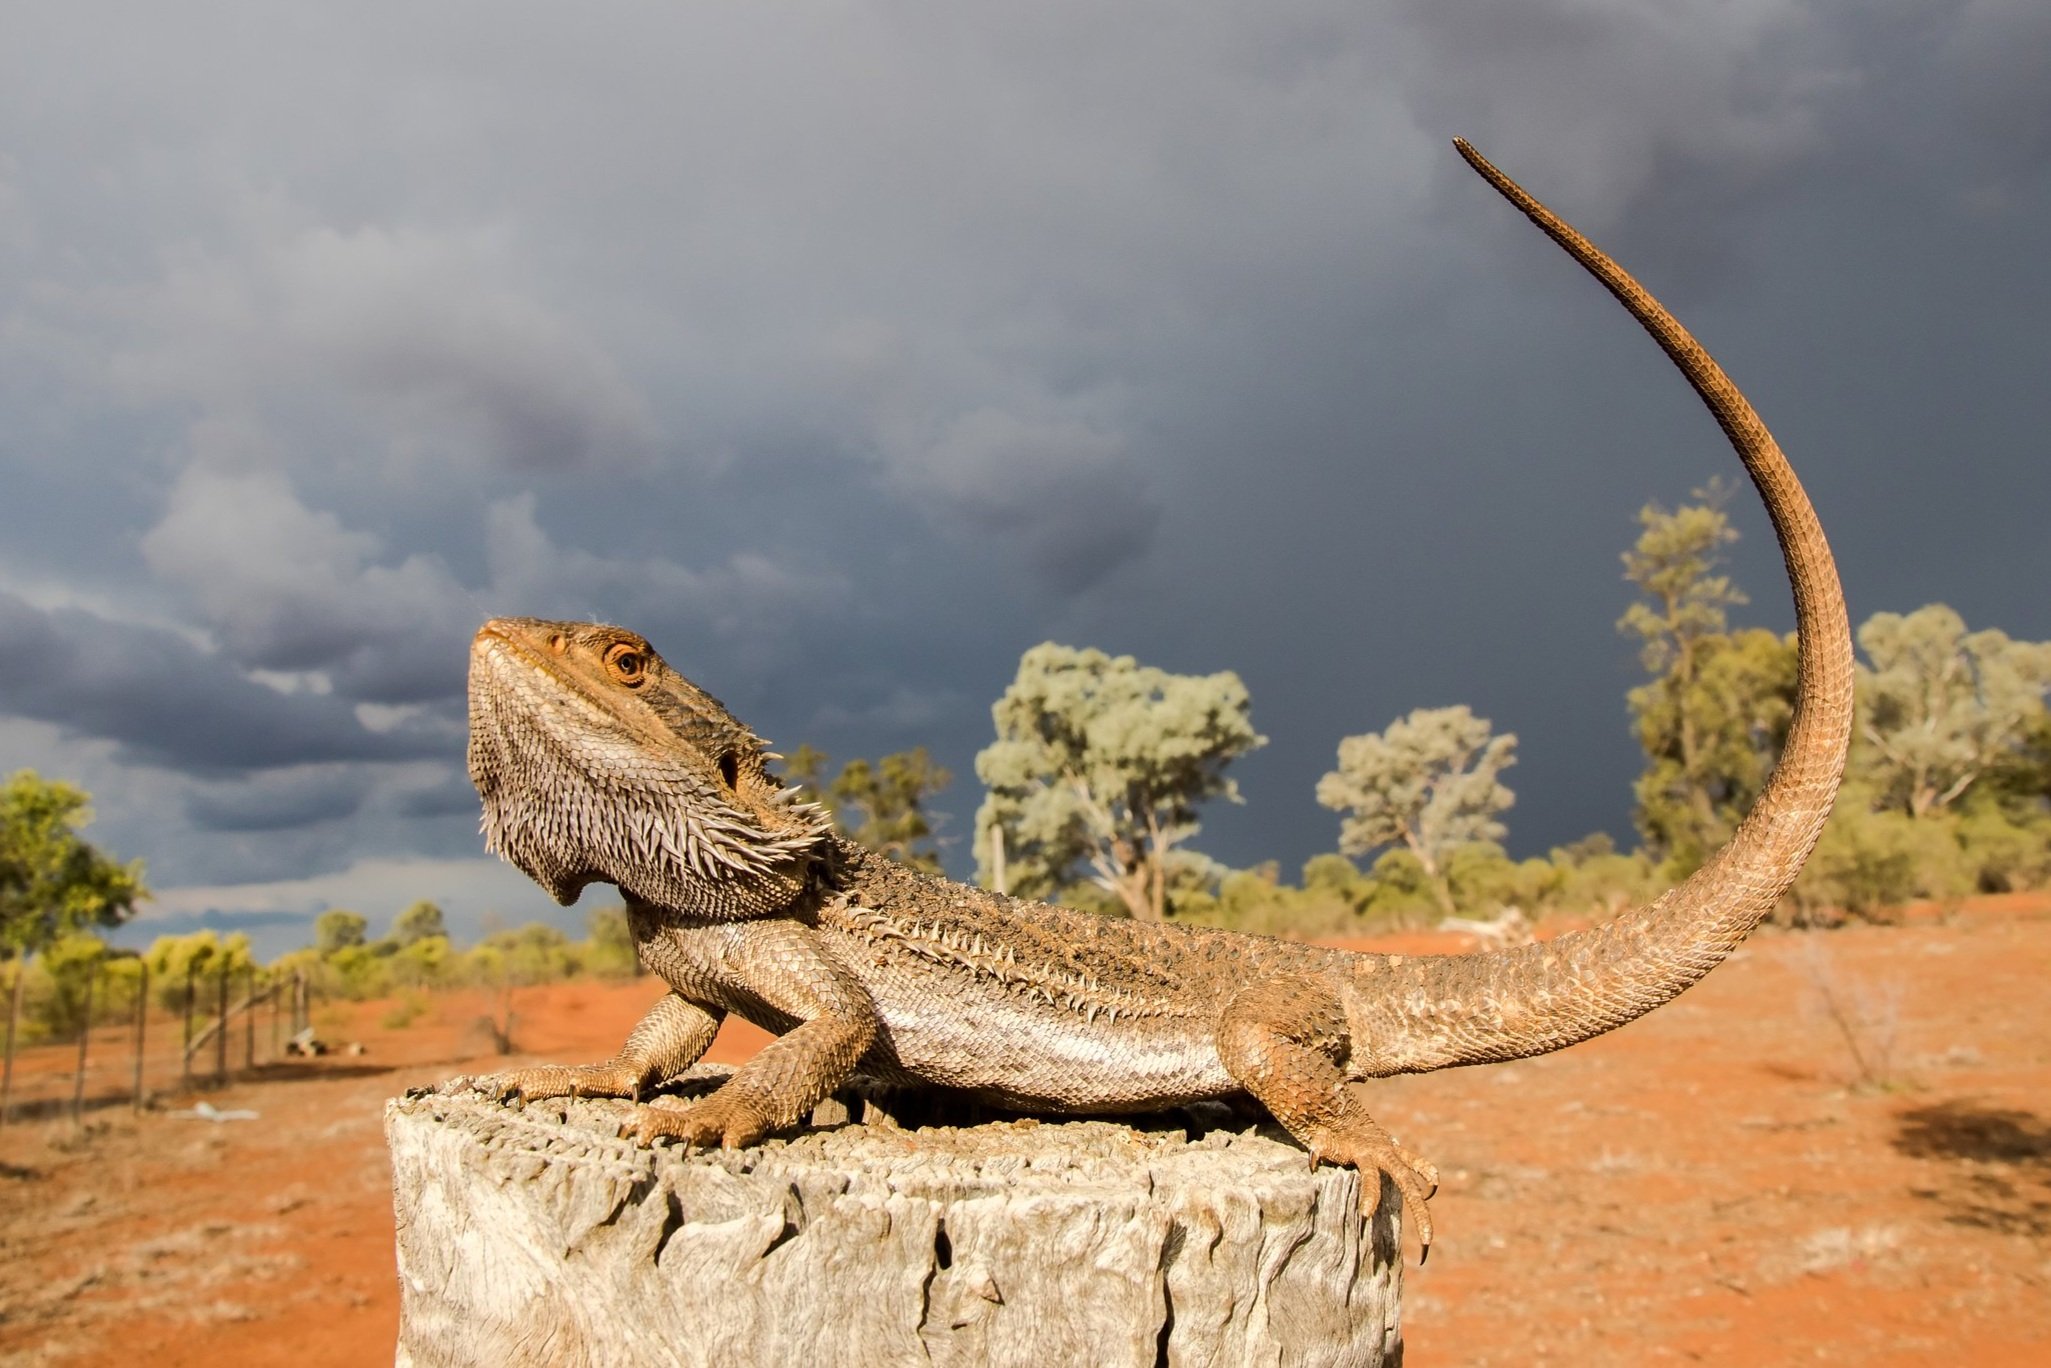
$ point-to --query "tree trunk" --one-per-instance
(1000, 878)
(536, 1236)
(1441, 887)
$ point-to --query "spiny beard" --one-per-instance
(614, 812)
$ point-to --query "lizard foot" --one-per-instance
(552, 1080)
(717, 1120)
(1365, 1146)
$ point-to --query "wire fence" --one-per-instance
(129, 1047)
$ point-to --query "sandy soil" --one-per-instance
(1724, 1181)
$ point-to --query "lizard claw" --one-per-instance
(554, 1080)
(494, 1087)
(1370, 1149)
(646, 1131)
(713, 1121)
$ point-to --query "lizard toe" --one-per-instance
(544, 1081)
(1369, 1149)
(650, 1124)
(712, 1121)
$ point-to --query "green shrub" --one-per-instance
(358, 972)
(534, 953)
(429, 962)
(202, 955)
(1867, 862)
(608, 951)
(410, 1007)
(2004, 851)
(1484, 880)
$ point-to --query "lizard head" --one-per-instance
(597, 762)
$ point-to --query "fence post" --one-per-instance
(249, 1022)
(85, 1035)
(191, 993)
(142, 1018)
(13, 1017)
(277, 1006)
(221, 1027)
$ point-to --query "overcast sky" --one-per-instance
(847, 350)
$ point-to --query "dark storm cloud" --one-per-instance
(166, 702)
(849, 350)
(449, 796)
(291, 589)
(278, 800)
(415, 327)
(1675, 128)
(1061, 490)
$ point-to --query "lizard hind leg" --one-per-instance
(1284, 1040)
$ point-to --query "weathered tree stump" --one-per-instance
(537, 1237)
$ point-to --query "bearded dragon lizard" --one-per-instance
(597, 762)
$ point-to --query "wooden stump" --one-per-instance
(537, 1237)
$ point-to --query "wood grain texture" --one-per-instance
(539, 1237)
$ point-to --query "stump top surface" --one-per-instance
(997, 1157)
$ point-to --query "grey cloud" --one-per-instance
(278, 799)
(1988, 65)
(470, 363)
(289, 588)
(451, 795)
(1065, 492)
(167, 702)
(902, 711)
(750, 592)
(1676, 120)
(411, 326)
(1679, 123)
(1051, 477)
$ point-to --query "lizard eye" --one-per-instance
(628, 665)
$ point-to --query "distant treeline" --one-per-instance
(415, 955)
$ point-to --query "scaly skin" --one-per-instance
(597, 762)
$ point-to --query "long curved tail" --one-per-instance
(1542, 997)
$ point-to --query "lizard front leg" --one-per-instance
(781, 967)
(1283, 1040)
(667, 1041)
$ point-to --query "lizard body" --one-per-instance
(598, 762)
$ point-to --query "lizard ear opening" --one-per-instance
(730, 769)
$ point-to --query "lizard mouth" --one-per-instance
(502, 637)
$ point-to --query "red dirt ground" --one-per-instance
(1713, 1183)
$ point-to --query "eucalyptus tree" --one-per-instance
(1098, 771)
(1429, 783)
